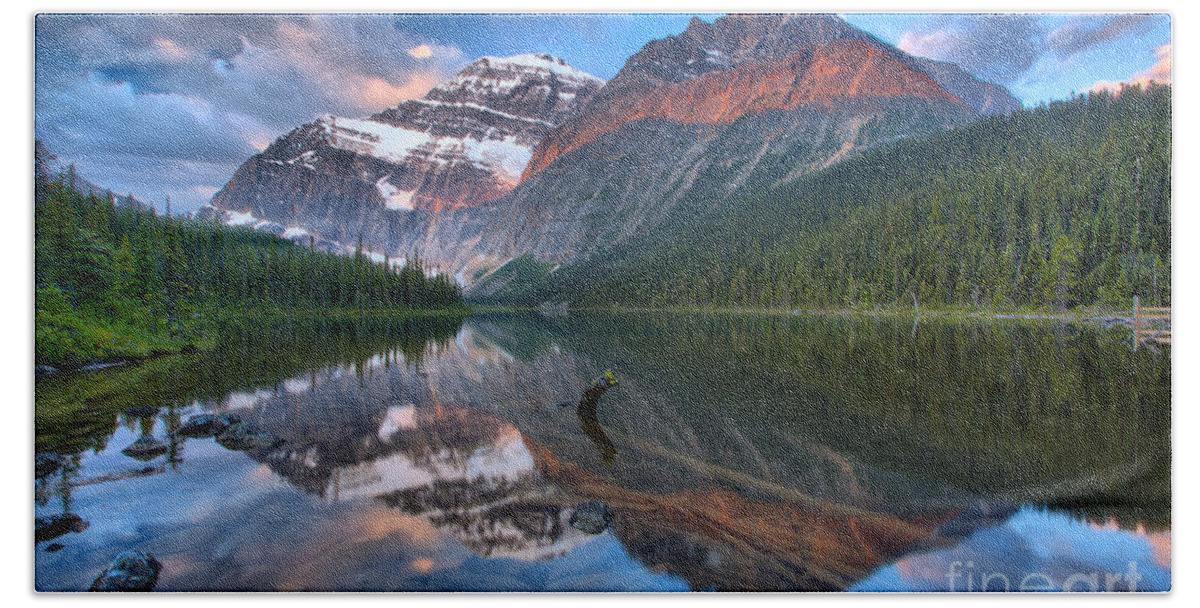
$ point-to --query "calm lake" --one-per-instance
(737, 452)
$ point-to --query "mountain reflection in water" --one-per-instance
(445, 466)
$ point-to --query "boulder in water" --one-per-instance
(207, 425)
(592, 517)
(130, 571)
(145, 448)
(241, 437)
(200, 425)
(225, 420)
(54, 526)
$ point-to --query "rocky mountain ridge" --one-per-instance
(527, 156)
(465, 143)
(741, 64)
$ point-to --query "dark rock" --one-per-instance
(145, 448)
(189, 349)
(207, 425)
(241, 437)
(141, 411)
(592, 517)
(54, 526)
(55, 547)
(200, 425)
(225, 420)
(130, 571)
(46, 463)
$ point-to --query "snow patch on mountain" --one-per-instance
(514, 72)
(237, 218)
(393, 197)
(397, 145)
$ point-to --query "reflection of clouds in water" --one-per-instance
(1160, 541)
(277, 544)
(1160, 548)
(603, 564)
(1035, 541)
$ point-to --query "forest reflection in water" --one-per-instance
(737, 451)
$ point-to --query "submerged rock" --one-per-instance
(562, 405)
(145, 448)
(241, 436)
(207, 425)
(200, 425)
(46, 463)
(141, 411)
(592, 517)
(55, 547)
(54, 526)
(130, 571)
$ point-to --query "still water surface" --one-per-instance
(737, 452)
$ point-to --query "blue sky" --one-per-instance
(159, 105)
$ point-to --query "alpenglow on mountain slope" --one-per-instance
(690, 122)
(1054, 207)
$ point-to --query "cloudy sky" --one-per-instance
(159, 105)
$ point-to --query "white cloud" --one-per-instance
(213, 88)
(1160, 72)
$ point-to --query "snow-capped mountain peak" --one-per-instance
(463, 144)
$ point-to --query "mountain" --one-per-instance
(464, 144)
(699, 119)
(691, 121)
(46, 170)
(741, 64)
(1064, 205)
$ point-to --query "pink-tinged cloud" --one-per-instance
(377, 92)
(1160, 72)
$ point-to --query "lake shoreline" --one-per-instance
(204, 342)
(1090, 317)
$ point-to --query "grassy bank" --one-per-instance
(68, 338)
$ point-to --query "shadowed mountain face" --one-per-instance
(690, 121)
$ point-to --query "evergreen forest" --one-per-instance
(116, 280)
(1061, 206)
